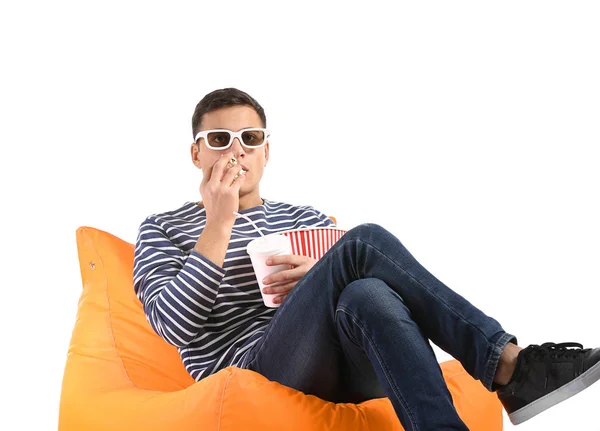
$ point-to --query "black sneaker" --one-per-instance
(546, 375)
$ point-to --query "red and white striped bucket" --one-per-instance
(313, 242)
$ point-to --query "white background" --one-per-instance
(467, 129)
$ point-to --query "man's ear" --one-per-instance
(195, 153)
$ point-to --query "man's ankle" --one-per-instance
(507, 364)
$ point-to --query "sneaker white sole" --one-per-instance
(564, 392)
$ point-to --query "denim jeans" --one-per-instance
(357, 326)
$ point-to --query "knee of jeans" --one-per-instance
(367, 229)
(365, 294)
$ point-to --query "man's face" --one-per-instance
(232, 118)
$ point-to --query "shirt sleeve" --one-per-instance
(324, 220)
(177, 291)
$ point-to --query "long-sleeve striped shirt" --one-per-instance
(213, 314)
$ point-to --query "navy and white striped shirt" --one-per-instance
(213, 314)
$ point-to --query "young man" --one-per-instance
(353, 326)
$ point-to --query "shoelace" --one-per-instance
(550, 351)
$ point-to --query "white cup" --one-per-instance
(259, 250)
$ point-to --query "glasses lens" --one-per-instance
(253, 138)
(218, 139)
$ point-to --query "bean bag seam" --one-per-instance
(223, 398)
(112, 336)
(456, 374)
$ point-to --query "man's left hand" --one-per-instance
(300, 265)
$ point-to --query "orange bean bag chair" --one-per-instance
(120, 375)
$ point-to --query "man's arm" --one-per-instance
(213, 242)
(324, 219)
(177, 291)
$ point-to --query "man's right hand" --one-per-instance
(220, 190)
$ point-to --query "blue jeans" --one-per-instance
(356, 327)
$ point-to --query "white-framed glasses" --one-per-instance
(221, 139)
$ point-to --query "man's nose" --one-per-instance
(236, 147)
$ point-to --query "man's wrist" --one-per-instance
(219, 228)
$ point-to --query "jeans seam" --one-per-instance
(383, 367)
(426, 289)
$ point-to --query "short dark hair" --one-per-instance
(221, 99)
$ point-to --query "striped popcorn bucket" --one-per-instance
(313, 242)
